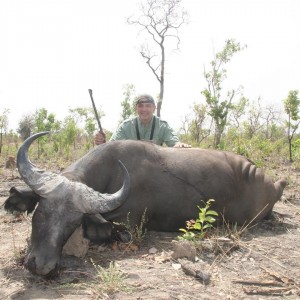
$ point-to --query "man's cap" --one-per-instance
(144, 98)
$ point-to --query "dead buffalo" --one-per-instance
(168, 182)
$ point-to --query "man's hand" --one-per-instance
(100, 138)
(182, 145)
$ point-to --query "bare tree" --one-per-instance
(161, 20)
(271, 117)
(254, 122)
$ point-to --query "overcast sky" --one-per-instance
(53, 51)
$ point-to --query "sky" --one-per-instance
(53, 51)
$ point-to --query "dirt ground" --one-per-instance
(262, 262)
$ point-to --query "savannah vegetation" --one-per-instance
(247, 128)
(264, 134)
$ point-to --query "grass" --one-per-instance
(109, 280)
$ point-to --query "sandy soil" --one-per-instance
(261, 263)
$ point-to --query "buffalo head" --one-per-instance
(61, 206)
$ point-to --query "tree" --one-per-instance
(69, 134)
(128, 105)
(238, 110)
(85, 117)
(43, 122)
(219, 104)
(85, 114)
(254, 120)
(291, 107)
(26, 126)
(271, 116)
(90, 128)
(161, 20)
(3, 125)
(197, 128)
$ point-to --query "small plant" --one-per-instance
(137, 232)
(105, 282)
(111, 279)
(196, 229)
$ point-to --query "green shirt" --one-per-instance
(163, 133)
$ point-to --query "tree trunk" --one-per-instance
(290, 150)
(1, 142)
(218, 134)
(161, 81)
(161, 97)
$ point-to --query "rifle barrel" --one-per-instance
(95, 111)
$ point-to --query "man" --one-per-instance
(146, 126)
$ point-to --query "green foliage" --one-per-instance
(68, 135)
(257, 148)
(296, 148)
(291, 105)
(196, 229)
(84, 117)
(43, 122)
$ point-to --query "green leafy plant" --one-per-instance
(196, 229)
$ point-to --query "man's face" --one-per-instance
(145, 112)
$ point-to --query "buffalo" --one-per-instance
(169, 183)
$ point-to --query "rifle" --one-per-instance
(96, 114)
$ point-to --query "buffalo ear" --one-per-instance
(21, 200)
(13, 189)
